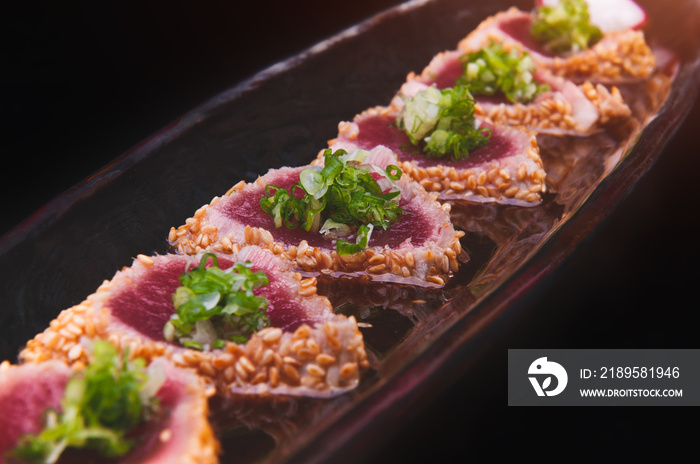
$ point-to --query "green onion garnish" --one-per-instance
(443, 122)
(344, 247)
(565, 27)
(492, 71)
(214, 305)
(100, 405)
(337, 199)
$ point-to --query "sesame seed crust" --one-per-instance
(503, 183)
(430, 263)
(321, 360)
(618, 58)
(553, 113)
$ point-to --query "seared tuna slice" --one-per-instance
(307, 349)
(507, 170)
(180, 432)
(618, 57)
(566, 108)
(25, 393)
(421, 247)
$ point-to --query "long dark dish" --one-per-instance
(41, 258)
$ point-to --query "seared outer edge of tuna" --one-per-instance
(618, 57)
(323, 360)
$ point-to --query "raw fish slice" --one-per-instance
(181, 436)
(421, 247)
(307, 350)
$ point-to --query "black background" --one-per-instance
(86, 81)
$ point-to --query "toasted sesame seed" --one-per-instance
(267, 357)
(291, 361)
(241, 372)
(334, 343)
(315, 370)
(272, 335)
(349, 369)
(302, 332)
(377, 269)
(325, 359)
(297, 345)
(260, 377)
(273, 374)
(75, 352)
(246, 364)
(291, 372)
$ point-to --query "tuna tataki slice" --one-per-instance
(307, 350)
(421, 247)
(180, 434)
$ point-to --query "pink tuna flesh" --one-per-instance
(380, 130)
(174, 415)
(448, 67)
(146, 303)
(25, 393)
(244, 208)
(518, 27)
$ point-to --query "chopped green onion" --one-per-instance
(100, 405)
(213, 305)
(565, 27)
(443, 122)
(420, 114)
(493, 70)
(343, 247)
(335, 229)
(193, 345)
(393, 172)
(337, 199)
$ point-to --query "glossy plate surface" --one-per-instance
(418, 337)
